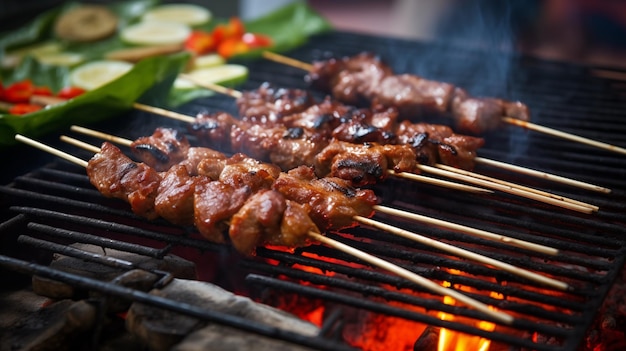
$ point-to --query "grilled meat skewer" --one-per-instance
(364, 79)
(252, 199)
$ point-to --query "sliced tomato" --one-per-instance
(231, 47)
(19, 92)
(70, 92)
(200, 42)
(22, 109)
(255, 40)
(233, 29)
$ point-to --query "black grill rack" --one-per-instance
(56, 203)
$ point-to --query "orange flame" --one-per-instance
(451, 340)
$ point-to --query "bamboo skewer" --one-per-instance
(383, 209)
(513, 190)
(404, 273)
(514, 121)
(468, 230)
(447, 247)
(417, 279)
(544, 175)
(517, 186)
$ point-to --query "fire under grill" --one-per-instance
(51, 211)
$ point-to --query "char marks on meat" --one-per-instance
(364, 80)
(163, 149)
(116, 175)
(333, 201)
(268, 104)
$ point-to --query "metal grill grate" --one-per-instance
(56, 203)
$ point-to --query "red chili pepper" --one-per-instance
(233, 29)
(200, 42)
(70, 92)
(19, 92)
(42, 90)
(231, 47)
(255, 40)
(22, 109)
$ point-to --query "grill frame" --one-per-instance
(605, 229)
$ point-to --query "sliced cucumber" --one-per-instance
(61, 59)
(13, 58)
(155, 33)
(206, 61)
(227, 75)
(95, 74)
(189, 14)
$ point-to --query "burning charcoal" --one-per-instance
(221, 338)
(179, 267)
(161, 329)
(136, 279)
(62, 335)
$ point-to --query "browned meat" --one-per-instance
(295, 226)
(349, 79)
(116, 175)
(163, 149)
(241, 170)
(413, 95)
(175, 197)
(439, 144)
(259, 217)
(366, 163)
(200, 158)
(214, 204)
(364, 80)
(284, 147)
(269, 104)
(333, 201)
(213, 130)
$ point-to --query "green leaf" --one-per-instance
(148, 81)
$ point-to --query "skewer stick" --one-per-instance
(212, 86)
(556, 284)
(517, 186)
(553, 132)
(468, 230)
(564, 135)
(383, 209)
(506, 188)
(440, 182)
(543, 175)
(51, 150)
(415, 278)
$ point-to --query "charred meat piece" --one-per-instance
(413, 95)
(163, 149)
(333, 201)
(349, 79)
(478, 115)
(259, 217)
(365, 163)
(115, 175)
(214, 204)
(175, 197)
(198, 158)
(439, 144)
(269, 104)
(213, 130)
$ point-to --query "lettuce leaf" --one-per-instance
(149, 81)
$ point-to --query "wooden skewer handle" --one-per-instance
(415, 278)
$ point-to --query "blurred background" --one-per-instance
(588, 31)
